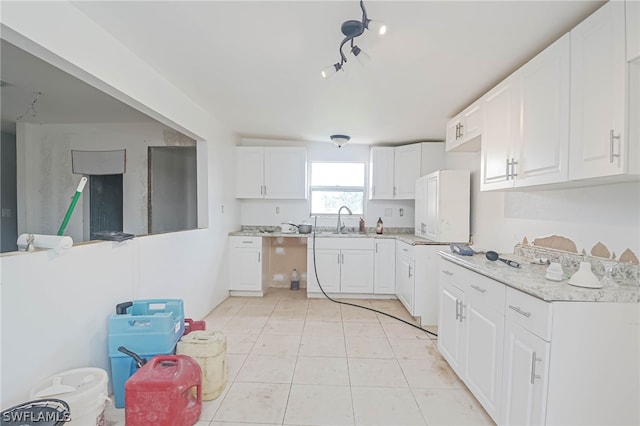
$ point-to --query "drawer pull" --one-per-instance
(534, 376)
(444, 271)
(478, 288)
(247, 242)
(520, 311)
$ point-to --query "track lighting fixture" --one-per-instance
(340, 140)
(352, 29)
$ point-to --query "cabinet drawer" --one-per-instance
(456, 275)
(405, 249)
(486, 293)
(532, 313)
(246, 242)
(342, 243)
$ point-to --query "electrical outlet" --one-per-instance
(277, 210)
(388, 212)
(401, 211)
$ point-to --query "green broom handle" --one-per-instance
(76, 196)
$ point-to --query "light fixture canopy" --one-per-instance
(340, 140)
(352, 29)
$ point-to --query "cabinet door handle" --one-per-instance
(394, 191)
(410, 271)
(520, 311)
(259, 257)
(508, 169)
(338, 258)
(457, 310)
(342, 255)
(513, 168)
(376, 248)
(478, 288)
(444, 271)
(457, 131)
(612, 136)
(534, 376)
(461, 127)
(261, 189)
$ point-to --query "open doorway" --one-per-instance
(105, 201)
(172, 189)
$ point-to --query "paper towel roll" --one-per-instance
(45, 241)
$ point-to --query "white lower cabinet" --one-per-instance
(405, 275)
(525, 377)
(417, 280)
(384, 277)
(245, 274)
(344, 265)
(532, 362)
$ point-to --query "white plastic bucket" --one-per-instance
(209, 349)
(84, 389)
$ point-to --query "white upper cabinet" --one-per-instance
(543, 150)
(499, 132)
(599, 145)
(407, 168)
(632, 13)
(464, 130)
(275, 173)
(526, 123)
(381, 173)
(394, 170)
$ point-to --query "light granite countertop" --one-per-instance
(404, 237)
(530, 278)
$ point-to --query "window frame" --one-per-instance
(337, 188)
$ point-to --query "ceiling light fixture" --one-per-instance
(352, 29)
(340, 140)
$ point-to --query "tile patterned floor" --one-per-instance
(298, 361)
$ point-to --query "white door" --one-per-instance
(246, 269)
(356, 275)
(524, 378)
(597, 143)
(543, 151)
(384, 276)
(249, 172)
(328, 266)
(432, 230)
(381, 173)
(407, 167)
(285, 173)
(450, 326)
(483, 333)
(500, 129)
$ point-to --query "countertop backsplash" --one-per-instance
(621, 271)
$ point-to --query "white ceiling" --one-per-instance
(256, 64)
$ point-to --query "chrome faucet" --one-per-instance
(340, 226)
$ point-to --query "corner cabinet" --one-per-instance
(344, 265)
(442, 206)
(599, 142)
(271, 172)
(530, 362)
(245, 266)
(393, 170)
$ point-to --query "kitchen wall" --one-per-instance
(46, 181)
(263, 212)
(55, 306)
(587, 215)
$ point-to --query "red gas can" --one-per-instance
(166, 391)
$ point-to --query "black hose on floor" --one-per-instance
(315, 270)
